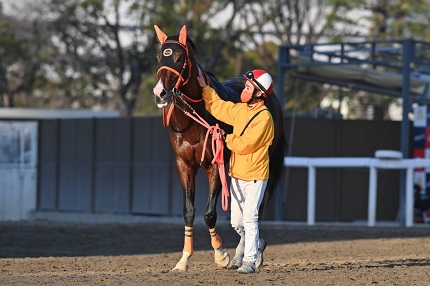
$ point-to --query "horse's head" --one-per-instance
(175, 66)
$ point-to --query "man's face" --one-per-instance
(249, 87)
(247, 91)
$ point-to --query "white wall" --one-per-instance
(18, 177)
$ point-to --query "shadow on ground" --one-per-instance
(41, 238)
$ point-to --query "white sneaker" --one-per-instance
(247, 268)
(235, 263)
(261, 247)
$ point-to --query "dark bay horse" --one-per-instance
(178, 93)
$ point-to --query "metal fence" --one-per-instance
(122, 166)
(126, 166)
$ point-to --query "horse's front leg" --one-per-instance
(187, 178)
(221, 256)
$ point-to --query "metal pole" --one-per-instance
(371, 211)
(283, 59)
(404, 135)
(409, 204)
(279, 201)
(311, 195)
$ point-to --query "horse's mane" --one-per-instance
(192, 46)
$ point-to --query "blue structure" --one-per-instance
(399, 68)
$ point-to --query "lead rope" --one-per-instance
(217, 147)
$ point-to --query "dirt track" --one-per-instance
(53, 253)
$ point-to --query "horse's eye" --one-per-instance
(178, 58)
(159, 57)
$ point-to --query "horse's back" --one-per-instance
(229, 89)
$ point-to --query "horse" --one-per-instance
(177, 92)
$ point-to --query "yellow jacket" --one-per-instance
(250, 152)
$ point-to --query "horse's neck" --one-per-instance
(192, 89)
(196, 104)
(193, 96)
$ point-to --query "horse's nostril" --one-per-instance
(161, 98)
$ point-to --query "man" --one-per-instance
(253, 132)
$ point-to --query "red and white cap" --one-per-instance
(261, 80)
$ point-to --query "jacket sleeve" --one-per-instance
(220, 109)
(259, 133)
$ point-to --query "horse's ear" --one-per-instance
(160, 34)
(183, 36)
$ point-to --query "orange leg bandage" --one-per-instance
(215, 238)
(188, 240)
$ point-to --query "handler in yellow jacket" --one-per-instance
(253, 132)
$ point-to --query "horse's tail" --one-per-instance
(275, 168)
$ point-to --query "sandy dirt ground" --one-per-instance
(69, 253)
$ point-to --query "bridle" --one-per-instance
(183, 73)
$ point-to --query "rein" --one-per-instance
(217, 143)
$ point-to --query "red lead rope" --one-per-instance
(218, 152)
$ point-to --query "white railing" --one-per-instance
(373, 164)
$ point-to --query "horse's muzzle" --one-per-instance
(161, 97)
(161, 100)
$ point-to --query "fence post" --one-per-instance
(311, 195)
(371, 211)
(409, 208)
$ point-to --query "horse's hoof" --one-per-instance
(224, 262)
(182, 264)
(222, 258)
(180, 268)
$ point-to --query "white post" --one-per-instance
(311, 195)
(409, 208)
(371, 211)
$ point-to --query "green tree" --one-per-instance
(399, 19)
(268, 24)
(9, 54)
(23, 54)
(101, 53)
(96, 58)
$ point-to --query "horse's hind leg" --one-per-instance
(221, 256)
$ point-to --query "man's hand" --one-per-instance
(201, 79)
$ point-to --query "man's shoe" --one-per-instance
(247, 268)
(261, 247)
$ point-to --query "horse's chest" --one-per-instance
(189, 148)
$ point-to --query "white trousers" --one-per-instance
(246, 197)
